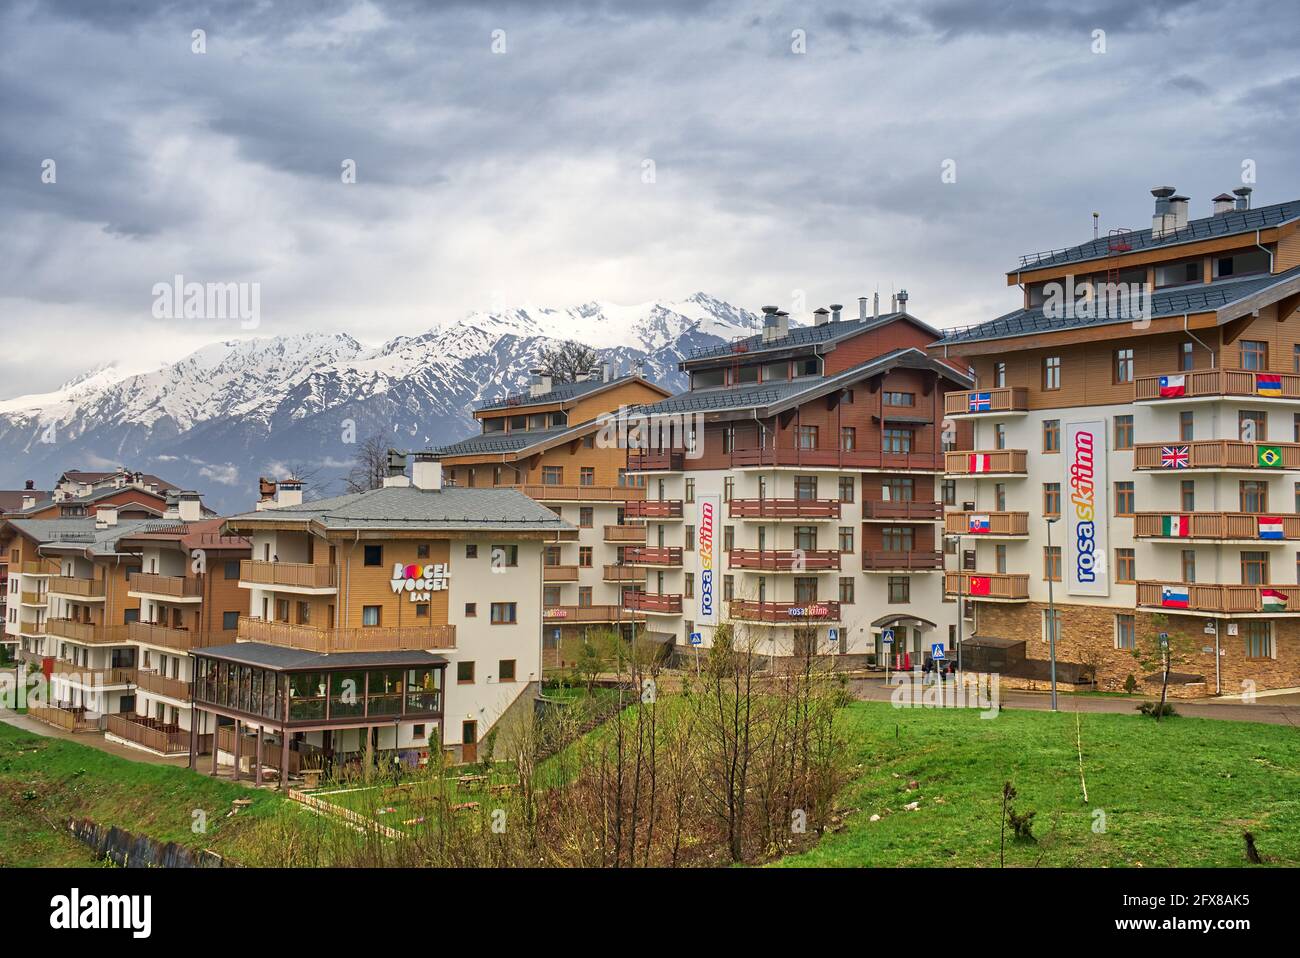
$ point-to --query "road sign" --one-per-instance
(832, 635)
(697, 638)
(887, 636)
(1164, 639)
(936, 650)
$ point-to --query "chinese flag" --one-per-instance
(979, 585)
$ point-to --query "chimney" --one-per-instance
(607, 370)
(190, 506)
(875, 305)
(1224, 203)
(30, 484)
(821, 316)
(396, 477)
(1162, 219)
(172, 508)
(638, 369)
(29, 502)
(902, 300)
(105, 516)
(782, 325)
(836, 310)
(893, 303)
(862, 309)
(594, 374)
(1178, 206)
(539, 383)
(769, 323)
(1243, 197)
(426, 472)
(288, 492)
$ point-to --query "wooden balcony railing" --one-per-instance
(1216, 525)
(72, 585)
(167, 739)
(302, 575)
(670, 556)
(363, 639)
(180, 639)
(902, 511)
(172, 586)
(625, 533)
(998, 524)
(1216, 454)
(560, 573)
(544, 492)
(1008, 586)
(977, 462)
(39, 568)
(889, 561)
(33, 598)
(655, 460)
(653, 509)
(624, 573)
(974, 401)
(71, 720)
(162, 685)
(1167, 597)
(837, 459)
(785, 613)
(81, 675)
(1219, 382)
(87, 633)
(588, 614)
(783, 509)
(784, 560)
(652, 602)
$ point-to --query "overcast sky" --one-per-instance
(600, 151)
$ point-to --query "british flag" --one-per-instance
(1175, 457)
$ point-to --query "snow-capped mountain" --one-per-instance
(231, 411)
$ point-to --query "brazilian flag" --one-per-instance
(1269, 457)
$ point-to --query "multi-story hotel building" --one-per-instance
(802, 502)
(547, 443)
(1156, 443)
(400, 620)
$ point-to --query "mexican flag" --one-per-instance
(1272, 600)
(1175, 526)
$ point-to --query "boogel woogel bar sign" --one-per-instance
(418, 581)
(706, 529)
(1084, 550)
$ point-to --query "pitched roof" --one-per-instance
(204, 534)
(11, 500)
(563, 393)
(80, 534)
(1210, 227)
(798, 336)
(281, 658)
(512, 442)
(1225, 297)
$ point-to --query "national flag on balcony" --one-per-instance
(1269, 457)
(979, 462)
(1268, 384)
(1174, 596)
(980, 585)
(1175, 526)
(1175, 457)
(1171, 386)
(980, 402)
(978, 524)
(1272, 600)
(1270, 527)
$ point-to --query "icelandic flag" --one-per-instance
(1268, 384)
(1175, 526)
(979, 462)
(1272, 600)
(978, 524)
(1270, 527)
(980, 585)
(980, 402)
(1171, 386)
(1174, 596)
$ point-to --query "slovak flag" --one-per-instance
(1272, 600)
(979, 462)
(978, 524)
(1171, 386)
(1174, 596)
(980, 402)
(1268, 384)
(1270, 527)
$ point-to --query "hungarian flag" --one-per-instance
(1175, 526)
(1269, 457)
(1272, 600)
(1270, 527)
(979, 462)
(980, 402)
(1174, 596)
(1268, 384)
(979, 524)
(980, 585)
(1171, 386)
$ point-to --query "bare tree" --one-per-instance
(568, 362)
(370, 465)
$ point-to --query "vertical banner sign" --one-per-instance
(1084, 551)
(708, 512)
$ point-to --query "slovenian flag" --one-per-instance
(980, 402)
(1268, 384)
(1174, 596)
(978, 524)
(979, 462)
(1175, 526)
(1270, 527)
(1272, 600)
(1171, 386)
(980, 585)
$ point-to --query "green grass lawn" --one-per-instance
(46, 781)
(1177, 793)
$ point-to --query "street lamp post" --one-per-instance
(1051, 616)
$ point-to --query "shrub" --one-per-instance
(1156, 710)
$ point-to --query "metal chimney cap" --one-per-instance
(823, 310)
(837, 306)
(1223, 197)
(771, 309)
(1244, 190)
(1160, 192)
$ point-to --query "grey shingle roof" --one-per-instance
(560, 392)
(504, 442)
(409, 508)
(79, 533)
(1193, 298)
(281, 658)
(805, 336)
(1225, 224)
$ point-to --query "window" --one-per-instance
(471, 550)
(229, 620)
(584, 596)
(584, 556)
(1051, 435)
(370, 615)
(688, 585)
(950, 492)
(1125, 565)
(1257, 637)
(1000, 435)
(1295, 358)
(897, 538)
(728, 538)
(374, 555)
(846, 590)
(507, 556)
(728, 488)
(899, 489)
(506, 670)
(1125, 631)
(551, 556)
(471, 610)
(900, 588)
(897, 440)
(1052, 563)
(690, 490)
(1253, 495)
(1254, 568)
(587, 475)
(1187, 495)
(1052, 625)
(1188, 563)
(805, 487)
(422, 610)
(1185, 357)
(586, 517)
(1123, 432)
(848, 438)
(464, 673)
(1123, 365)
(728, 438)
(806, 436)
(503, 613)
(550, 595)
(1000, 496)
(230, 570)
(1052, 372)
(846, 488)
(1051, 498)
(422, 550)
(690, 538)
(999, 559)
(1254, 354)
(805, 589)
(1124, 498)
(728, 588)
(552, 475)
(900, 399)
(999, 375)
(1295, 427)
(1185, 431)
(1252, 425)
(846, 539)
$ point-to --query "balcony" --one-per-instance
(169, 588)
(76, 588)
(652, 509)
(870, 460)
(987, 586)
(589, 615)
(364, 639)
(653, 603)
(69, 719)
(664, 556)
(37, 599)
(181, 640)
(39, 568)
(151, 681)
(1218, 600)
(1208, 384)
(655, 460)
(623, 573)
(987, 525)
(156, 736)
(784, 560)
(986, 402)
(559, 492)
(296, 576)
(1241, 527)
(87, 633)
(898, 561)
(902, 511)
(625, 533)
(783, 509)
(560, 573)
(1216, 454)
(92, 678)
(785, 613)
(978, 463)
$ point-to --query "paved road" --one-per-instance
(1271, 710)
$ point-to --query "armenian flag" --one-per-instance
(1171, 386)
(1175, 526)
(1272, 600)
(1268, 384)
(1270, 527)
(980, 402)
(979, 462)
(978, 524)
(1269, 457)
(1174, 596)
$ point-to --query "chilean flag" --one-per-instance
(979, 462)
(1174, 596)
(980, 585)
(1270, 527)
(978, 524)
(1171, 386)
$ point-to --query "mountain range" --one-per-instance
(231, 411)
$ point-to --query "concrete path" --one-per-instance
(92, 739)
